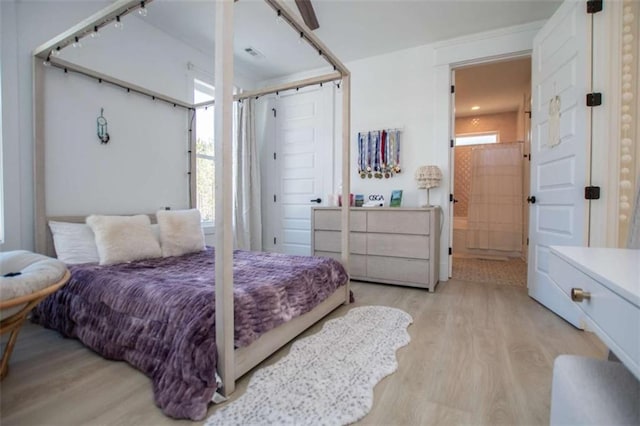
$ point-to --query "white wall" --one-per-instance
(22, 30)
(393, 91)
(10, 145)
(146, 135)
(144, 166)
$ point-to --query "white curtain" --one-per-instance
(495, 201)
(247, 222)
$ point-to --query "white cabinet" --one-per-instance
(388, 245)
(603, 283)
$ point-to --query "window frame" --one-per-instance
(477, 134)
(202, 85)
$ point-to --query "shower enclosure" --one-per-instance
(489, 221)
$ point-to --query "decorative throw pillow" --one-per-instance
(74, 242)
(180, 232)
(123, 238)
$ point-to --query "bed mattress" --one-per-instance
(159, 314)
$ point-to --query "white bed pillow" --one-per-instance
(74, 242)
(180, 232)
(124, 238)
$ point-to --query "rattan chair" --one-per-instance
(42, 280)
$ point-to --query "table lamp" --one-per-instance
(428, 177)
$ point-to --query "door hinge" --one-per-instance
(274, 112)
(594, 99)
(274, 156)
(594, 6)
(450, 251)
(274, 240)
(451, 143)
(529, 156)
(527, 240)
(453, 89)
(592, 193)
(451, 198)
(274, 198)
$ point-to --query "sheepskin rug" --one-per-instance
(327, 378)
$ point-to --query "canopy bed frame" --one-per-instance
(231, 363)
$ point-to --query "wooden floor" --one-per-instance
(479, 354)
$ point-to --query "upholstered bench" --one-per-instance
(588, 391)
(25, 279)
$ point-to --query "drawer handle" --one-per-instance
(578, 295)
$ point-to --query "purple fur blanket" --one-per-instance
(159, 314)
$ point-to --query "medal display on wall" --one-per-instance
(379, 153)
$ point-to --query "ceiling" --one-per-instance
(352, 29)
(495, 87)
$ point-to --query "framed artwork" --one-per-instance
(396, 198)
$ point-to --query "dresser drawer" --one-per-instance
(399, 222)
(330, 220)
(615, 316)
(398, 270)
(330, 241)
(398, 245)
(358, 262)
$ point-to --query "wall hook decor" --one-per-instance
(103, 135)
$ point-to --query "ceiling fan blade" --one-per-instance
(308, 14)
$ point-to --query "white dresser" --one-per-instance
(605, 284)
(388, 245)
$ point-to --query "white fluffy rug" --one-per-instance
(327, 378)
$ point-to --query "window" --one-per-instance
(205, 159)
(477, 138)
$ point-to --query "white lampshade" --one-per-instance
(428, 177)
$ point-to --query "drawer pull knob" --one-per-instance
(578, 295)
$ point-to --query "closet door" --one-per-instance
(560, 144)
(302, 167)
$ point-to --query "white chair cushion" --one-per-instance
(36, 273)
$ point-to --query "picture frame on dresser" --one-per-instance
(396, 198)
(388, 245)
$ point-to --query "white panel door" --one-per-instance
(303, 147)
(452, 168)
(559, 214)
(527, 175)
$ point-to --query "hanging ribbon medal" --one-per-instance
(361, 156)
(369, 156)
(379, 154)
(383, 160)
(397, 151)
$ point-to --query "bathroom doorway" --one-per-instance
(491, 171)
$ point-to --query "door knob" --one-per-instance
(531, 199)
(578, 295)
(317, 200)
